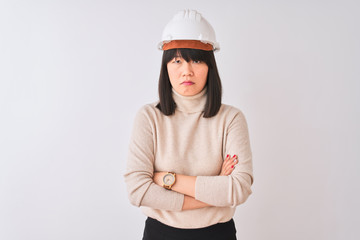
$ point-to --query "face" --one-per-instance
(187, 78)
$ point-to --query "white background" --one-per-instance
(73, 74)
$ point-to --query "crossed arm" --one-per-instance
(229, 189)
(186, 184)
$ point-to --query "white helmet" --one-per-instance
(189, 25)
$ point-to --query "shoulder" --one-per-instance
(235, 120)
(148, 111)
(147, 108)
(232, 116)
(230, 111)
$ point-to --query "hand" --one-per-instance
(228, 165)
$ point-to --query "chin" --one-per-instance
(188, 92)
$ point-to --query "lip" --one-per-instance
(187, 83)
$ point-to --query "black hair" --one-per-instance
(214, 90)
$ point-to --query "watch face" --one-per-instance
(168, 179)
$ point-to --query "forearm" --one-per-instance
(221, 191)
(183, 184)
(192, 203)
(186, 184)
(143, 192)
(224, 191)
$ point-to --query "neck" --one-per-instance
(190, 104)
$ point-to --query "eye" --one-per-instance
(197, 61)
(176, 60)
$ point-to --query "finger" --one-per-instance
(235, 161)
(226, 161)
(229, 169)
(225, 172)
(231, 161)
(228, 165)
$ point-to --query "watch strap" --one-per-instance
(168, 187)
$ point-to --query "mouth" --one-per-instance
(187, 83)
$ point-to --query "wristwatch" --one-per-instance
(169, 180)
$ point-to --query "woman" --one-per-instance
(189, 162)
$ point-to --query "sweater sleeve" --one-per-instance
(232, 190)
(142, 191)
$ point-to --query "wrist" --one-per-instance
(169, 180)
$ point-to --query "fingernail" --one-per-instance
(234, 156)
(232, 166)
(227, 156)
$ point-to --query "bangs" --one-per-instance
(189, 54)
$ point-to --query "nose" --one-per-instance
(187, 69)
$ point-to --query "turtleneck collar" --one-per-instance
(190, 104)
